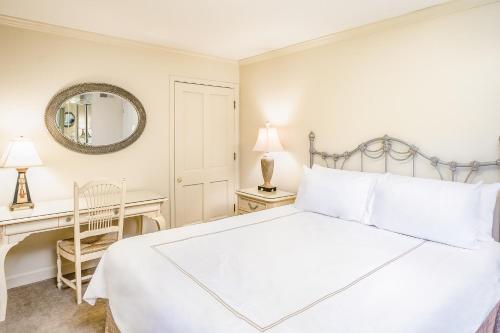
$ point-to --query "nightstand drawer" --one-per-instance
(250, 205)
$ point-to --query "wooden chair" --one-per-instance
(97, 204)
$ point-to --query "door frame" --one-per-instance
(171, 153)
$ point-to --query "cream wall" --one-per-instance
(435, 83)
(33, 67)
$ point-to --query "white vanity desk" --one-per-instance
(58, 214)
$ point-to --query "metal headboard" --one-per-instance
(383, 147)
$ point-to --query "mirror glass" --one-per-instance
(96, 119)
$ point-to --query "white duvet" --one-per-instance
(283, 270)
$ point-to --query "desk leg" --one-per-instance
(159, 219)
(4, 248)
(142, 224)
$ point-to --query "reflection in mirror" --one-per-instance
(97, 119)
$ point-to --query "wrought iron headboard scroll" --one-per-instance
(383, 147)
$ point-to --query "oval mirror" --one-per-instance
(95, 118)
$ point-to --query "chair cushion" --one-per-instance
(87, 245)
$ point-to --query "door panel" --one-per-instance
(204, 147)
(193, 212)
(217, 196)
(192, 128)
(217, 131)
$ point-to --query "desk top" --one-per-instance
(65, 207)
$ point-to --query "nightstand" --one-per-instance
(252, 200)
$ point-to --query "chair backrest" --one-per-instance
(97, 204)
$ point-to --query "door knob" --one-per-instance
(179, 179)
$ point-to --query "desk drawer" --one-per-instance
(68, 221)
(250, 205)
(142, 209)
(23, 227)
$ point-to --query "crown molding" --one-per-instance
(413, 17)
(99, 38)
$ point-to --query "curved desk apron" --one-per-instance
(58, 214)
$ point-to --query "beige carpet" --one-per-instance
(41, 307)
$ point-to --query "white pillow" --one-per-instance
(441, 211)
(302, 190)
(373, 176)
(333, 192)
(488, 200)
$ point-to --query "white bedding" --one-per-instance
(283, 270)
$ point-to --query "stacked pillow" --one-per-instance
(488, 201)
(441, 211)
(337, 193)
(447, 212)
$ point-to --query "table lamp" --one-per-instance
(267, 141)
(21, 154)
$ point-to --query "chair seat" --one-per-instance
(88, 245)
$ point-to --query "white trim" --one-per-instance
(99, 38)
(45, 273)
(171, 154)
(413, 17)
(416, 16)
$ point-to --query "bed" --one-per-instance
(291, 270)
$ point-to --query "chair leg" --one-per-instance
(59, 272)
(78, 273)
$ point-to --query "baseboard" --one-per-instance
(45, 273)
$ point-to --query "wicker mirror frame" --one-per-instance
(56, 102)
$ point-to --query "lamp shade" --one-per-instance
(20, 153)
(268, 140)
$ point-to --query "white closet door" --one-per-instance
(204, 153)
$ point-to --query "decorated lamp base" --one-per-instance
(22, 198)
(267, 189)
(267, 166)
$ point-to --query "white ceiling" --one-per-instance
(233, 29)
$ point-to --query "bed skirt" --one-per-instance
(490, 325)
(110, 322)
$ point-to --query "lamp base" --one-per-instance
(266, 188)
(21, 206)
(22, 198)
(267, 166)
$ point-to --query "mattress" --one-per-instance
(284, 270)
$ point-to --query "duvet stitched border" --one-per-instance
(289, 315)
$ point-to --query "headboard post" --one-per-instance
(312, 136)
